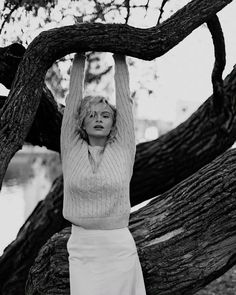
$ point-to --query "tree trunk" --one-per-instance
(185, 238)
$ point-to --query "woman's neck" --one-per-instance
(97, 141)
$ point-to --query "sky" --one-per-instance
(185, 71)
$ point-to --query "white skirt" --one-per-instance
(104, 262)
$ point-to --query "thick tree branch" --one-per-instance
(202, 206)
(219, 49)
(186, 237)
(46, 128)
(50, 45)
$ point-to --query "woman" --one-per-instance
(98, 151)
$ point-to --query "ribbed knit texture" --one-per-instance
(96, 179)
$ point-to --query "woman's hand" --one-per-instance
(119, 57)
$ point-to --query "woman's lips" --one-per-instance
(98, 127)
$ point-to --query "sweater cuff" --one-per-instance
(80, 57)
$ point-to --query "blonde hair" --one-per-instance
(84, 109)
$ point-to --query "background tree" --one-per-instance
(186, 235)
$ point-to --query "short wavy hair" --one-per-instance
(84, 109)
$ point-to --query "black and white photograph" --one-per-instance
(117, 147)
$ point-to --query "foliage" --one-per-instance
(30, 5)
(23, 25)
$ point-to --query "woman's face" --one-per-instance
(98, 121)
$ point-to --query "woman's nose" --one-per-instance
(99, 118)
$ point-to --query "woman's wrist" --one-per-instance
(80, 55)
(118, 56)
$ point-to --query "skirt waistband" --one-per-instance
(83, 231)
(101, 239)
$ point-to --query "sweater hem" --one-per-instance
(100, 222)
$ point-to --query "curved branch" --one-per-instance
(127, 5)
(214, 27)
(161, 10)
(27, 87)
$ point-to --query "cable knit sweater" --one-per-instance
(97, 179)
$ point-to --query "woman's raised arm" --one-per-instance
(73, 101)
(124, 103)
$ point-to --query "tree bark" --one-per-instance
(185, 238)
(18, 112)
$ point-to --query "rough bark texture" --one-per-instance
(185, 238)
(53, 44)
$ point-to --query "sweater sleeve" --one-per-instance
(124, 103)
(73, 101)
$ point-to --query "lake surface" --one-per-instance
(27, 181)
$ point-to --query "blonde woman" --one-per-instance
(98, 151)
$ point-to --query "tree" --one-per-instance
(185, 236)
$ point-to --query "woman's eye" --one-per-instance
(106, 115)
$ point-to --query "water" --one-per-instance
(27, 181)
(12, 207)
